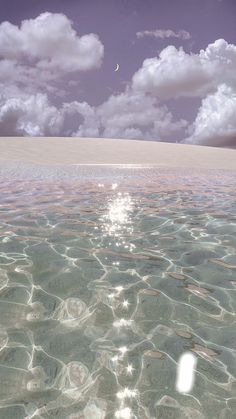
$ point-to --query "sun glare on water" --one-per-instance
(118, 214)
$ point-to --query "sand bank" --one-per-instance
(83, 151)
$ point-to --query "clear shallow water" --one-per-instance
(106, 278)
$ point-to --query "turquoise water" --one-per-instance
(107, 276)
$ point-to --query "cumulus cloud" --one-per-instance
(215, 124)
(39, 56)
(176, 73)
(134, 115)
(164, 33)
(90, 125)
(210, 75)
(126, 115)
(44, 47)
(29, 115)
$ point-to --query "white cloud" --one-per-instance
(164, 33)
(45, 47)
(175, 73)
(29, 115)
(126, 115)
(215, 124)
(39, 55)
(135, 115)
(33, 115)
(90, 124)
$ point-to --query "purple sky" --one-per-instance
(55, 82)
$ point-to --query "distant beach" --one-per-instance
(86, 151)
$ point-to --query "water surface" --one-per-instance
(107, 276)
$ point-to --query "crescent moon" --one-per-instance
(117, 67)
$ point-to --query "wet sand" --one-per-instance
(85, 151)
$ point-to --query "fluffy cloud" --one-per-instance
(35, 56)
(29, 115)
(164, 33)
(210, 75)
(90, 125)
(33, 115)
(175, 73)
(215, 124)
(134, 115)
(44, 47)
(39, 56)
(126, 115)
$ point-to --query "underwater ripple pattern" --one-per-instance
(104, 283)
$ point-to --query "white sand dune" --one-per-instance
(69, 151)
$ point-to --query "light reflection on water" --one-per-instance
(117, 221)
(105, 284)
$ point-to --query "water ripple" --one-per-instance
(106, 279)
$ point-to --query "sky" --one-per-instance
(176, 80)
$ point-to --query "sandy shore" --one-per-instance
(71, 151)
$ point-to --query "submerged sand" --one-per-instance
(72, 151)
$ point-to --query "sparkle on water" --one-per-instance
(118, 295)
